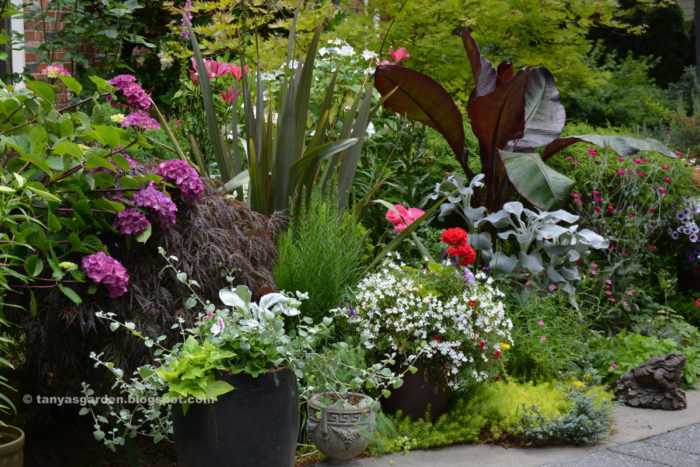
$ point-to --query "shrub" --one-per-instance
(321, 254)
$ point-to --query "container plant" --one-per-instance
(455, 318)
(227, 392)
(11, 437)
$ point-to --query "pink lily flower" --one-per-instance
(404, 218)
(399, 54)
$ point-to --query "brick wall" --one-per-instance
(34, 36)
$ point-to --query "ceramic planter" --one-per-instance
(11, 444)
(337, 432)
(256, 424)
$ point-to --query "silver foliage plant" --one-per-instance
(549, 242)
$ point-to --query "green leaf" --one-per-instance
(113, 326)
(102, 84)
(622, 145)
(43, 90)
(543, 186)
(68, 147)
(107, 135)
(71, 83)
(216, 388)
(44, 194)
(33, 265)
(70, 293)
(143, 236)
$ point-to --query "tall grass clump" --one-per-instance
(321, 253)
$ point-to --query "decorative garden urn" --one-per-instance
(339, 432)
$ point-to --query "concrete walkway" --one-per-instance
(641, 437)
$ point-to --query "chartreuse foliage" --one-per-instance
(490, 411)
(511, 114)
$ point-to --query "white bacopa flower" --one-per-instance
(217, 327)
(369, 55)
(346, 51)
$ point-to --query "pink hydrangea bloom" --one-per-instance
(160, 203)
(130, 221)
(183, 176)
(54, 71)
(136, 98)
(106, 270)
(140, 120)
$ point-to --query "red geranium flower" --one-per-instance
(458, 250)
(455, 236)
(481, 345)
(437, 338)
(468, 258)
(472, 303)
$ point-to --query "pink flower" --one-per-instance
(594, 265)
(641, 175)
(54, 71)
(652, 247)
(238, 72)
(613, 300)
(624, 303)
(662, 191)
(595, 192)
(678, 153)
(543, 338)
(612, 364)
(591, 152)
(575, 195)
(608, 281)
(528, 283)
(667, 180)
(666, 167)
(652, 210)
(629, 292)
(637, 161)
(596, 208)
(575, 162)
(624, 255)
(621, 159)
(611, 208)
(540, 323)
(598, 200)
(620, 172)
(398, 55)
(593, 272)
(569, 158)
(630, 215)
(607, 292)
(229, 95)
(404, 217)
(552, 287)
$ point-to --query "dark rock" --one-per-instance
(655, 384)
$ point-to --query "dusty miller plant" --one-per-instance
(547, 250)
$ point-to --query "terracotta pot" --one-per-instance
(416, 394)
(337, 432)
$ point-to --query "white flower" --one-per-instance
(370, 130)
(218, 326)
(346, 51)
(369, 55)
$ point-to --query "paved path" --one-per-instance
(641, 438)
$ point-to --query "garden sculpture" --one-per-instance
(655, 384)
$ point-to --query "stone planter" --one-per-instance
(337, 432)
(11, 446)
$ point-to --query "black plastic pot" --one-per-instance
(256, 424)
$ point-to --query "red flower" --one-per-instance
(455, 236)
(497, 378)
(468, 258)
(497, 355)
(472, 303)
(458, 250)
(697, 302)
(481, 345)
(437, 338)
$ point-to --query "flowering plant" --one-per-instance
(242, 337)
(456, 319)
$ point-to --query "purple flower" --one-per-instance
(183, 176)
(185, 33)
(130, 221)
(106, 270)
(136, 97)
(552, 287)
(159, 202)
(469, 276)
(141, 120)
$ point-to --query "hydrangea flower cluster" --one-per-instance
(401, 310)
(54, 71)
(140, 120)
(136, 97)
(106, 270)
(160, 203)
(130, 221)
(183, 176)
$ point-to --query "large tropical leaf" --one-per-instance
(622, 145)
(544, 114)
(541, 185)
(422, 98)
(499, 116)
(485, 76)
